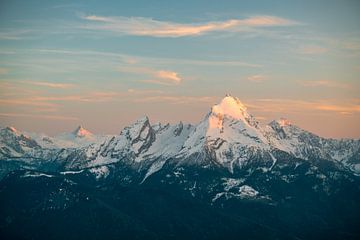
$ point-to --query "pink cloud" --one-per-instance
(50, 84)
(149, 27)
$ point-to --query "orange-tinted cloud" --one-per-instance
(325, 83)
(51, 84)
(289, 106)
(26, 102)
(266, 21)
(168, 75)
(313, 50)
(164, 77)
(173, 99)
(257, 78)
(149, 27)
(52, 117)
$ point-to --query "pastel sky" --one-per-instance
(103, 64)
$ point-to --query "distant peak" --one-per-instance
(284, 122)
(80, 131)
(139, 124)
(280, 123)
(143, 119)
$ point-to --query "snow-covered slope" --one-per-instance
(137, 143)
(15, 144)
(306, 145)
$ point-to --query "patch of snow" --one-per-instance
(217, 196)
(247, 191)
(178, 173)
(356, 168)
(100, 172)
(156, 166)
(274, 160)
(71, 172)
(231, 183)
(28, 174)
(321, 176)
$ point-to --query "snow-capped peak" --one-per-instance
(137, 127)
(230, 106)
(227, 128)
(82, 132)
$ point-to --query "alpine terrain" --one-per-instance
(227, 177)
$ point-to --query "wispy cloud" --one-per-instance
(325, 83)
(257, 78)
(4, 70)
(133, 59)
(164, 77)
(173, 99)
(89, 97)
(10, 88)
(25, 102)
(168, 75)
(290, 106)
(51, 117)
(54, 101)
(313, 50)
(50, 84)
(140, 26)
(353, 45)
(342, 109)
(14, 34)
(158, 82)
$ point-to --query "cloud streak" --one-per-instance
(257, 78)
(289, 106)
(25, 102)
(173, 99)
(325, 83)
(313, 50)
(139, 26)
(50, 117)
(50, 84)
(163, 77)
(133, 59)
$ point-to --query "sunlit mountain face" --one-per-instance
(224, 177)
(164, 119)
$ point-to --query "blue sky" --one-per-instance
(104, 64)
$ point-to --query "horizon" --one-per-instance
(105, 65)
(81, 126)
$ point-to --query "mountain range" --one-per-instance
(225, 177)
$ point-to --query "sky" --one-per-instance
(104, 64)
